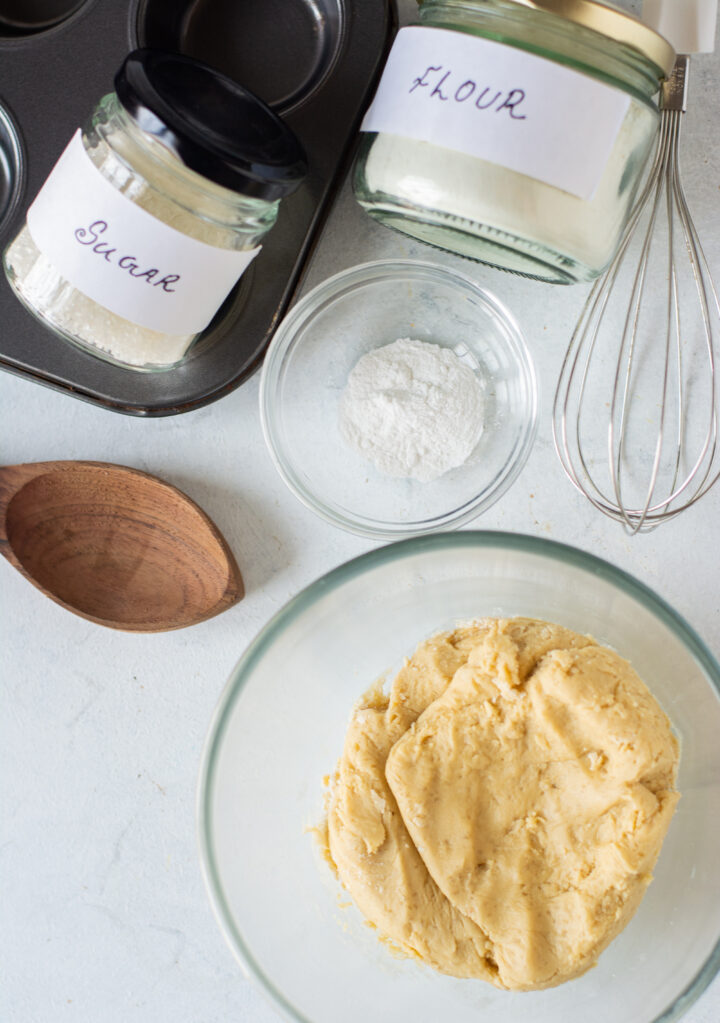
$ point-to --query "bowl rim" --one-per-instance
(331, 581)
(317, 300)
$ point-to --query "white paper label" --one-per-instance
(123, 257)
(499, 103)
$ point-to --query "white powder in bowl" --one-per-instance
(414, 409)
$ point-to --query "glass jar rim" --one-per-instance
(611, 22)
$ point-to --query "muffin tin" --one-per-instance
(314, 61)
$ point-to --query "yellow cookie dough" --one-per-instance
(499, 812)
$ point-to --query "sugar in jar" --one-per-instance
(514, 132)
(154, 211)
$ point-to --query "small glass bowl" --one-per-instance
(318, 344)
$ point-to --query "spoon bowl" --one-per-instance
(115, 545)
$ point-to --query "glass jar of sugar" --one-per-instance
(514, 132)
(154, 211)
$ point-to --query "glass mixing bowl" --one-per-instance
(317, 345)
(279, 729)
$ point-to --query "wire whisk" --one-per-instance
(635, 416)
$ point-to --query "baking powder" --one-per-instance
(414, 409)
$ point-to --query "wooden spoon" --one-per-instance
(115, 545)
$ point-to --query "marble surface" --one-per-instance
(105, 919)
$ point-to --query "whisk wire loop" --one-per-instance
(664, 374)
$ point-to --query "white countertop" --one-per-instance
(105, 919)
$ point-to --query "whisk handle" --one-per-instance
(675, 88)
(688, 25)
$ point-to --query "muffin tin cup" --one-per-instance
(314, 61)
(24, 17)
(11, 166)
(306, 51)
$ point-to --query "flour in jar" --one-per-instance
(412, 408)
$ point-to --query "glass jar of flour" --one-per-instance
(514, 131)
(153, 212)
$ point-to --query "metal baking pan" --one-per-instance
(314, 61)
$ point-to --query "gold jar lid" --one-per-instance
(614, 23)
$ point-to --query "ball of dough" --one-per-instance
(499, 812)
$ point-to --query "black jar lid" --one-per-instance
(213, 125)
